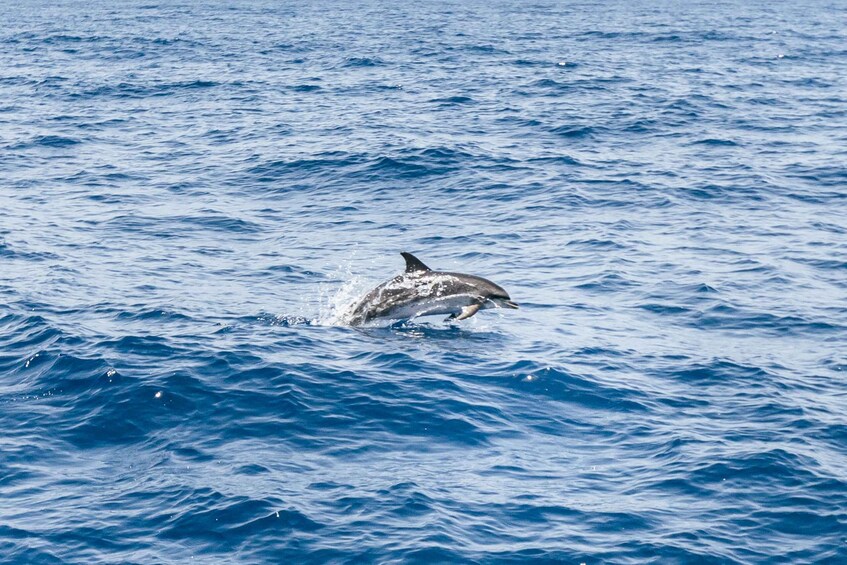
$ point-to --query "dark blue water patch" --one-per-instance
(377, 407)
(324, 163)
(728, 317)
(283, 47)
(550, 85)
(219, 222)
(485, 49)
(669, 38)
(780, 464)
(665, 309)
(131, 90)
(401, 168)
(711, 191)
(48, 141)
(566, 160)
(100, 125)
(168, 41)
(642, 126)
(827, 175)
(530, 63)
(11, 252)
(45, 83)
(592, 35)
(596, 244)
(21, 552)
(573, 131)
(292, 271)
(354, 62)
(306, 88)
(143, 346)
(145, 313)
(609, 282)
(413, 167)
(180, 225)
(811, 82)
(526, 377)
(453, 100)
(705, 288)
(519, 121)
(824, 264)
(722, 371)
(241, 517)
(716, 142)
(31, 334)
(64, 38)
(119, 410)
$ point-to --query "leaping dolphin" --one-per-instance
(420, 291)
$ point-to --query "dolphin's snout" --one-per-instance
(504, 302)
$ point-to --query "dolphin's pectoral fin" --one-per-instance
(466, 313)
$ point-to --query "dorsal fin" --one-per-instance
(413, 264)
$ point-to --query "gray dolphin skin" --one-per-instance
(420, 291)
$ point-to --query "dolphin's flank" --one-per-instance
(420, 291)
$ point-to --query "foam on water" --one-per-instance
(336, 302)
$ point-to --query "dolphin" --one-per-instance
(420, 291)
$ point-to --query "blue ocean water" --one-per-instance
(191, 191)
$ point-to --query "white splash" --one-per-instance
(335, 303)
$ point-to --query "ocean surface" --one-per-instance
(192, 192)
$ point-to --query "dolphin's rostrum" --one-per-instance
(420, 291)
